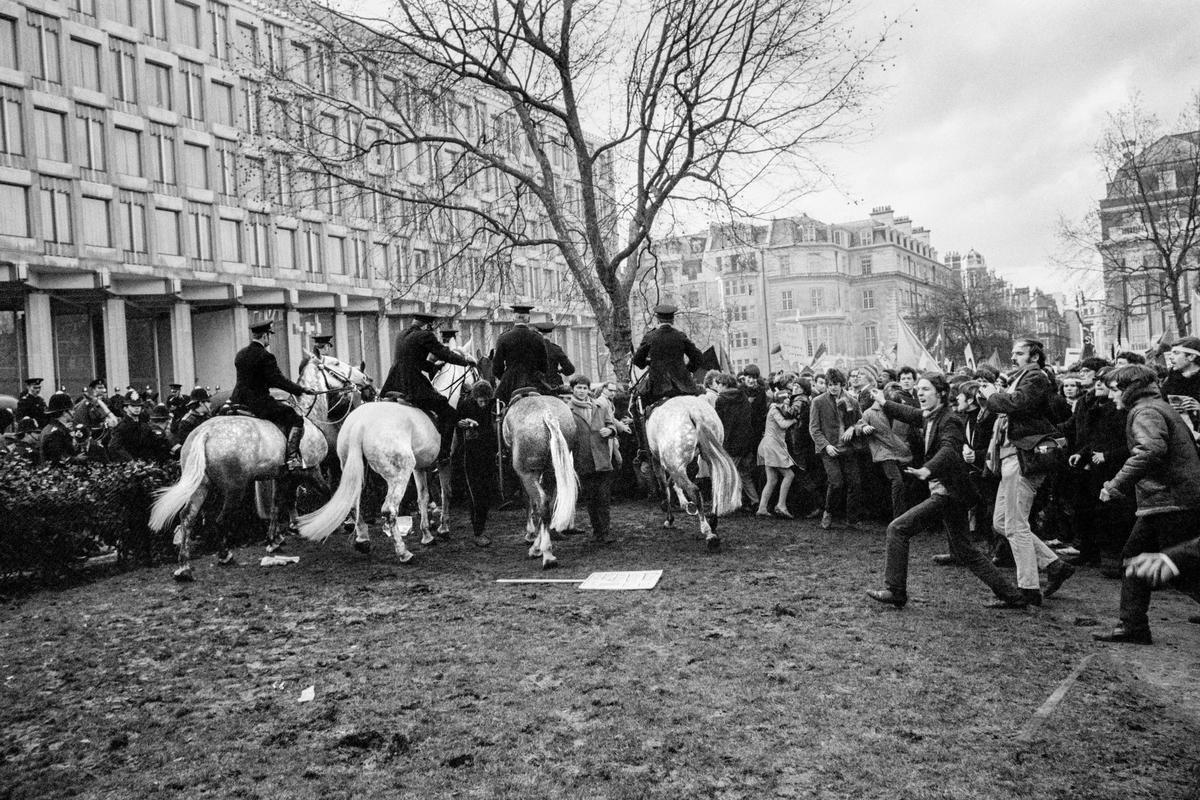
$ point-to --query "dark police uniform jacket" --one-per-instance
(520, 361)
(258, 373)
(558, 365)
(31, 405)
(671, 358)
(56, 444)
(410, 374)
(133, 439)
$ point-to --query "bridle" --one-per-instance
(341, 406)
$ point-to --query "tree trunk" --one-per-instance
(618, 333)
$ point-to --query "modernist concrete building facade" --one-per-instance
(146, 219)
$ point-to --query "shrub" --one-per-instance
(56, 517)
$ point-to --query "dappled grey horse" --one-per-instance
(541, 432)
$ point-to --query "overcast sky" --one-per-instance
(985, 133)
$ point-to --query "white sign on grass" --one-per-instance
(602, 581)
(622, 581)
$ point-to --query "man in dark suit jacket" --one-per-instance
(558, 366)
(669, 357)
(831, 421)
(520, 360)
(257, 373)
(951, 493)
(409, 375)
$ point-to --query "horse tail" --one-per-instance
(566, 482)
(169, 501)
(726, 483)
(317, 526)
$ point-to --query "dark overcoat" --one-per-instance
(520, 361)
(669, 357)
(258, 373)
(410, 373)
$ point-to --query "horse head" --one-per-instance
(332, 377)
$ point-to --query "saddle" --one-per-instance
(231, 409)
(521, 394)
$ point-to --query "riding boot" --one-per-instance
(291, 456)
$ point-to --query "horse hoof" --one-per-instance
(227, 560)
(668, 523)
(404, 557)
(713, 543)
(550, 563)
(183, 575)
(691, 509)
(428, 540)
(362, 546)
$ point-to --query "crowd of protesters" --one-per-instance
(1046, 470)
(99, 428)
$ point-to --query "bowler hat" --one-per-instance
(545, 327)
(199, 394)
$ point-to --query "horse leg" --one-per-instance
(362, 533)
(663, 479)
(183, 533)
(544, 544)
(397, 486)
(444, 478)
(233, 498)
(423, 502)
(530, 525)
(708, 522)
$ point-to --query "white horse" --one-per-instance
(540, 431)
(679, 431)
(230, 453)
(398, 442)
(339, 386)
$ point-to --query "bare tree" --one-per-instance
(568, 127)
(1146, 227)
(980, 313)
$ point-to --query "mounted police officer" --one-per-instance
(520, 359)
(419, 355)
(30, 403)
(558, 366)
(258, 373)
(670, 357)
(56, 445)
(321, 346)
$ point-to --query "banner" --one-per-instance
(910, 351)
(969, 356)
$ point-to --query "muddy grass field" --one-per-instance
(758, 672)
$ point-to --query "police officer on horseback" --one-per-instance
(669, 357)
(558, 366)
(258, 373)
(520, 360)
(419, 355)
(321, 346)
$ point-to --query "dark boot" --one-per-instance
(291, 454)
